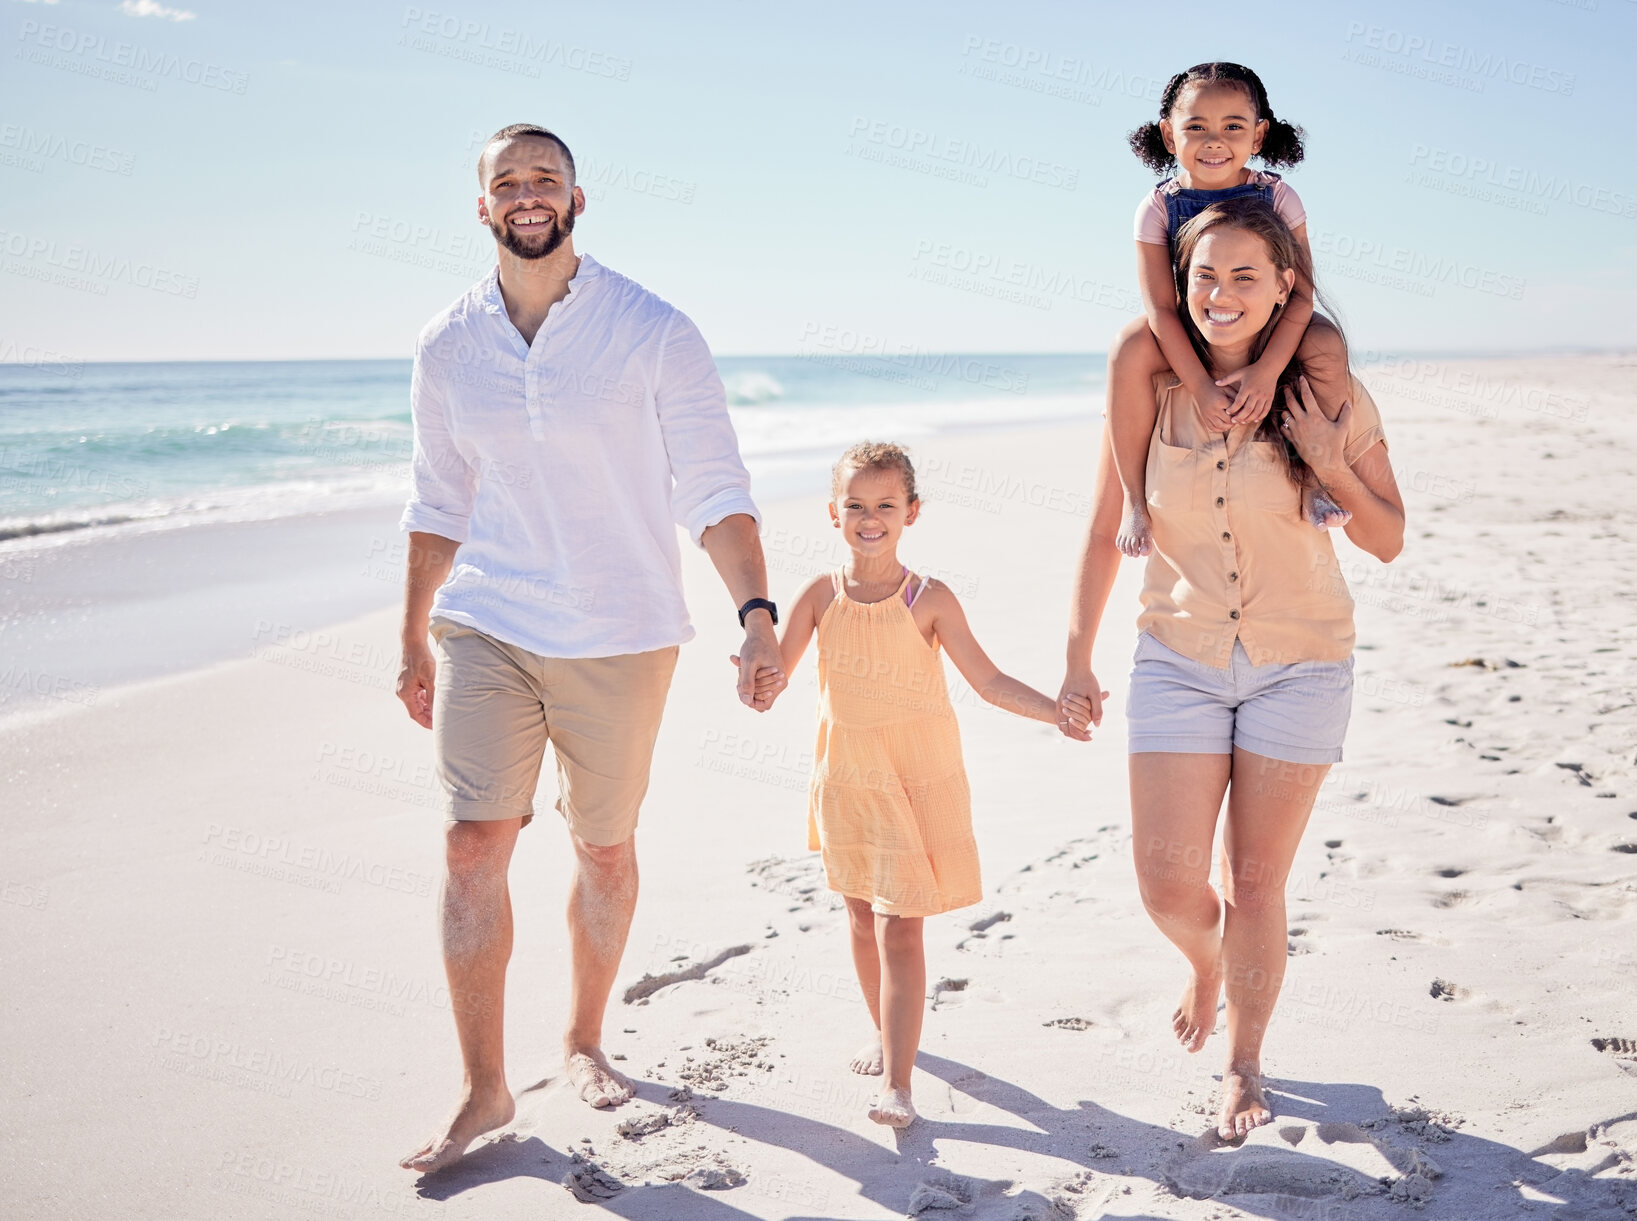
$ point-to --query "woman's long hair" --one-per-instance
(1257, 217)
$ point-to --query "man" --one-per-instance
(565, 418)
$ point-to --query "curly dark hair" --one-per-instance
(1281, 146)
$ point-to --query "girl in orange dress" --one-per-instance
(889, 806)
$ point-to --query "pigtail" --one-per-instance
(1283, 143)
(1147, 141)
(1149, 145)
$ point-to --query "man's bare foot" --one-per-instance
(894, 1108)
(472, 1118)
(1322, 512)
(1195, 1017)
(868, 1060)
(594, 1079)
(1135, 538)
(1244, 1105)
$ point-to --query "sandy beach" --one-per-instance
(223, 995)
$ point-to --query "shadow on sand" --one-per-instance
(1109, 1162)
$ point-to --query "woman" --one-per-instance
(1243, 676)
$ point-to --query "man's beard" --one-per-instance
(533, 245)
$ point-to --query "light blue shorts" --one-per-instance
(1295, 713)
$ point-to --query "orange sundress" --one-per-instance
(889, 806)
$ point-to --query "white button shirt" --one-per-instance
(563, 467)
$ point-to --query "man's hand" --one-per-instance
(1080, 705)
(1257, 388)
(761, 670)
(416, 678)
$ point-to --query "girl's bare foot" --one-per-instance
(1195, 1017)
(868, 1060)
(894, 1108)
(592, 1077)
(475, 1115)
(1322, 512)
(1135, 538)
(1244, 1105)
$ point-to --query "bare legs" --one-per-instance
(600, 903)
(890, 958)
(1240, 940)
(477, 944)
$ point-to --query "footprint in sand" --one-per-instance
(980, 940)
(1623, 1050)
(1295, 945)
(1443, 990)
(944, 988)
(1449, 871)
(1453, 898)
(1070, 1023)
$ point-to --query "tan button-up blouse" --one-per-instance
(1233, 557)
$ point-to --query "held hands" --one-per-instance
(1080, 705)
(1321, 441)
(761, 671)
(416, 677)
(1257, 390)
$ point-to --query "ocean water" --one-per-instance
(127, 447)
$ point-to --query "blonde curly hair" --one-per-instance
(874, 456)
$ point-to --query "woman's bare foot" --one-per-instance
(894, 1108)
(1195, 1017)
(869, 1059)
(475, 1115)
(1244, 1105)
(592, 1077)
(1135, 538)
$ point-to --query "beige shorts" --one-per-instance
(495, 706)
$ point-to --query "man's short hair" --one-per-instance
(514, 130)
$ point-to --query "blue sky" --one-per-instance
(210, 180)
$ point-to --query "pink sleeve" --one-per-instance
(1150, 220)
(1288, 205)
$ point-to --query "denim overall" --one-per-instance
(1183, 205)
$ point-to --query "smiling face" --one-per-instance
(529, 198)
(1213, 130)
(1233, 287)
(872, 510)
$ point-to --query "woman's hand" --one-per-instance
(1080, 705)
(1321, 441)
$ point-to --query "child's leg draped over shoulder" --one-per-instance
(1134, 361)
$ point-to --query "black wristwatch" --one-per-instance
(758, 604)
